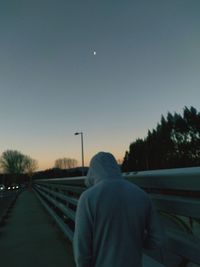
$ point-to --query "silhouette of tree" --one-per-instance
(15, 163)
(174, 143)
(31, 165)
(58, 173)
(65, 163)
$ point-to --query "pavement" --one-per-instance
(30, 237)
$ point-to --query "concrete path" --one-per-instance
(30, 237)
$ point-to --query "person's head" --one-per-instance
(103, 166)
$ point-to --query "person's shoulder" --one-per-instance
(87, 193)
(135, 188)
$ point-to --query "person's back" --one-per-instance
(112, 218)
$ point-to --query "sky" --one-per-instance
(147, 63)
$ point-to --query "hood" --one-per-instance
(103, 166)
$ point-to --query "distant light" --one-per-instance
(94, 53)
(13, 187)
(9, 188)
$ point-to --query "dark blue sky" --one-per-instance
(51, 84)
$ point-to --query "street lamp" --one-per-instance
(77, 133)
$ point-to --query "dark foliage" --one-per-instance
(59, 173)
(174, 143)
(7, 179)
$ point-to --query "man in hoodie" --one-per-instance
(115, 219)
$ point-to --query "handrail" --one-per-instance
(186, 179)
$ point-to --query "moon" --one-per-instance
(94, 53)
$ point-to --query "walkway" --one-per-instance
(30, 238)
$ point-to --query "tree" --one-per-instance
(15, 163)
(65, 163)
(31, 165)
(174, 143)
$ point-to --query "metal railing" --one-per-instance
(175, 193)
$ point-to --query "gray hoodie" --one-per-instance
(115, 219)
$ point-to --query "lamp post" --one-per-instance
(82, 152)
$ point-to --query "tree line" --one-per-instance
(59, 173)
(65, 163)
(174, 143)
(20, 168)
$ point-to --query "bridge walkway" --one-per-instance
(30, 238)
